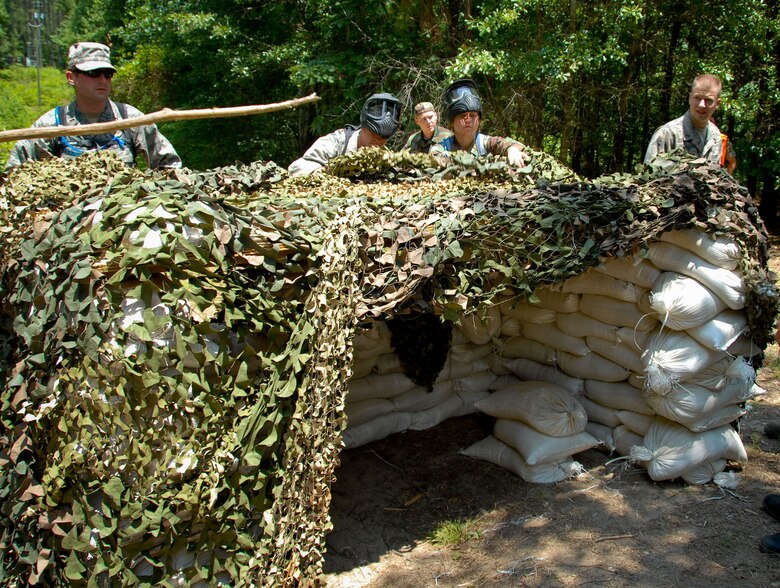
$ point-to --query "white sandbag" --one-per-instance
(593, 282)
(581, 325)
(517, 347)
(546, 407)
(671, 449)
(469, 352)
(499, 453)
(419, 398)
(717, 418)
(644, 305)
(631, 268)
(728, 285)
(599, 413)
(362, 366)
(372, 342)
(458, 338)
(505, 381)
(525, 312)
(378, 386)
(616, 312)
(511, 328)
(617, 395)
(743, 345)
(536, 447)
(673, 356)
(687, 403)
(704, 473)
(496, 363)
(637, 380)
(452, 370)
(683, 302)
(526, 369)
(720, 251)
(625, 439)
(591, 367)
(376, 429)
(722, 373)
(426, 419)
(552, 336)
(388, 363)
(635, 421)
(479, 382)
(468, 400)
(638, 340)
(551, 298)
(623, 354)
(604, 435)
(481, 326)
(366, 410)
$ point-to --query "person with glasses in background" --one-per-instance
(463, 112)
(379, 120)
(90, 73)
(693, 131)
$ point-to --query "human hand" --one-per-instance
(515, 156)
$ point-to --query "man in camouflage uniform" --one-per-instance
(463, 112)
(90, 72)
(426, 118)
(379, 120)
(693, 131)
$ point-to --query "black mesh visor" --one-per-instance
(466, 102)
(378, 109)
(460, 91)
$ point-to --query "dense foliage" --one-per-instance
(587, 82)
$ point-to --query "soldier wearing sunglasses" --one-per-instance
(90, 73)
(693, 131)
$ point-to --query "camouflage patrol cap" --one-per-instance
(88, 56)
(421, 107)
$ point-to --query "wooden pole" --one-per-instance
(164, 115)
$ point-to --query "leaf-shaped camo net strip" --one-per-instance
(175, 346)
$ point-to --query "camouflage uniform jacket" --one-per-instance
(417, 143)
(128, 143)
(680, 134)
(482, 146)
(323, 150)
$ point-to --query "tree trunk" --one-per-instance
(567, 124)
(666, 91)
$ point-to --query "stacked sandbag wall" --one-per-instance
(646, 355)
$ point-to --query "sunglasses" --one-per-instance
(96, 73)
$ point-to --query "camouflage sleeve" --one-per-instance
(664, 140)
(440, 153)
(33, 149)
(319, 154)
(152, 143)
(656, 145)
(500, 145)
(410, 142)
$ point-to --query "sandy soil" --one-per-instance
(611, 526)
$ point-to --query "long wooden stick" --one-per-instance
(164, 115)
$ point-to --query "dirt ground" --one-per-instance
(611, 526)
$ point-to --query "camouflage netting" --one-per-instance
(175, 346)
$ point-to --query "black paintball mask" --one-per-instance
(461, 96)
(381, 114)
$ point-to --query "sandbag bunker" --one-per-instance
(647, 356)
(184, 355)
